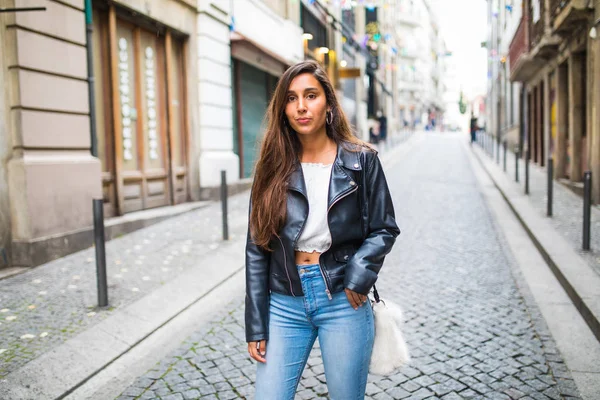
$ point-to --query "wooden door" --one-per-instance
(139, 115)
(177, 112)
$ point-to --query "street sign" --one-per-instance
(349, 73)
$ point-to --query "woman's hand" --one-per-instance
(258, 353)
(356, 299)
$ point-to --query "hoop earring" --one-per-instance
(329, 118)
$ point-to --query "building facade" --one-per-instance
(503, 94)
(179, 94)
(421, 66)
(554, 54)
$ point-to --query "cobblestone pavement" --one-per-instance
(471, 324)
(567, 210)
(42, 308)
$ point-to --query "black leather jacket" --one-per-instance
(362, 226)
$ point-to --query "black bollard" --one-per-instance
(224, 204)
(98, 207)
(550, 185)
(527, 171)
(504, 161)
(517, 165)
(587, 208)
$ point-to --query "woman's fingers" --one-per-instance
(350, 296)
(356, 299)
(258, 350)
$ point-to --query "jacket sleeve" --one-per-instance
(362, 269)
(257, 291)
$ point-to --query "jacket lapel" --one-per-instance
(296, 181)
(340, 182)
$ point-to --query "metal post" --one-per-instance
(517, 165)
(550, 185)
(102, 284)
(505, 149)
(21, 9)
(587, 208)
(498, 150)
(527, 171)
(224, 204)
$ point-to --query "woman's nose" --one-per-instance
(301, 105)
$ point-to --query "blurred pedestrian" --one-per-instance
(382, 119)
(473, 128)
(373, 125)
(309, 264)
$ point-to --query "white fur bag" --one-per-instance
(390, 351)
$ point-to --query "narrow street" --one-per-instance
(471, 332)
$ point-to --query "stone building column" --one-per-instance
(214, 141)
(562, 120)
(51, 174)
(576, 114)
(5, 151)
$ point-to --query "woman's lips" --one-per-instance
(303, 121)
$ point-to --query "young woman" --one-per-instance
(321, 222)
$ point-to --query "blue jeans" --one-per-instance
(345, 337)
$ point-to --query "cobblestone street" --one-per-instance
(471, 324)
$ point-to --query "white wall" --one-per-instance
(263, 27)
(215, 136)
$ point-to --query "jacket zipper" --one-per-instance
(329, 296)
(293, 245)
(285, 266)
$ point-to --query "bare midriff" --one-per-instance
(303, 258)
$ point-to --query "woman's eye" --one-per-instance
(291, 98)
(312, 96)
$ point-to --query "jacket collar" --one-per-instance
(348, 157)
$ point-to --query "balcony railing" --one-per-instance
(519, 45)
(567, 14)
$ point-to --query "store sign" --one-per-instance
(126, 110)
(151, 104)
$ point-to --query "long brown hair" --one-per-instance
(281, 151)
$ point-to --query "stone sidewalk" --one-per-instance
(567, 213)
(558, 238)
(47, 305)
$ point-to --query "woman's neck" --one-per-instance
(318, 150)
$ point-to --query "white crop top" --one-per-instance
(315, 235)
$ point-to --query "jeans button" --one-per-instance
(302, 271)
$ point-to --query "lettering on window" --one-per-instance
(126, 110)
(151, 104)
